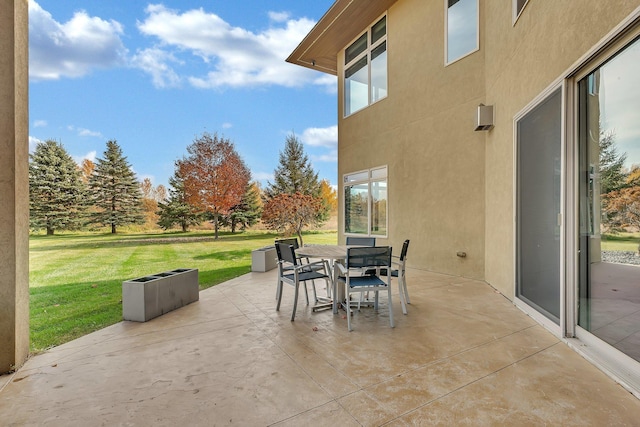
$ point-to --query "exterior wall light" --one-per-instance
(485, 117)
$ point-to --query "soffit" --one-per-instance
(345, 20)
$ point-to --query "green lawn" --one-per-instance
(76, 279)
(620, 242)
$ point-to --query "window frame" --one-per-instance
(366, 53)
(517, 13)
(358, 178)
(446, 34)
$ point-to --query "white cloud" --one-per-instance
(39, 123)
(91, 155)
(227, 125)
(321, 137)
(235, 56)
(84, 131)
(73, 48)
(33, 141)
(87, 132)
(155, 62)
(279, 16)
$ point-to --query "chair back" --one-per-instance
(292, 241)
(375, 256)
(361, 241)
(286, 253)
(405, 247)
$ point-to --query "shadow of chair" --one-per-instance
(377, 258)
(297, 273)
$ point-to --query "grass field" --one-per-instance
(621, 242)
(76, 279)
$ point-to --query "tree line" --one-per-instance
(210, 183)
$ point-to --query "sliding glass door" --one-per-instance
(538, 204)
(609, 201)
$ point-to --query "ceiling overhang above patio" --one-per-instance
(345, 20)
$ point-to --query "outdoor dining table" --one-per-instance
(332, 253)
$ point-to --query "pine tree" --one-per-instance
(295, 177)
(294, 174)
(176, 211)
(248, 211)
(56, 190)
(115, 191)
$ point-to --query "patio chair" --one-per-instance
(400, 263)
(293, 241)
(363, 259)
(361, 241)
(297, 274)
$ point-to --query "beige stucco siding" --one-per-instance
(522, 60)
(424, 132)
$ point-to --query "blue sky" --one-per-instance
(154, 76)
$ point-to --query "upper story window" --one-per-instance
(462, 23)
(365, 71)
(518, 5)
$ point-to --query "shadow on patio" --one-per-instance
(463, 355)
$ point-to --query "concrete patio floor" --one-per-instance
(464, 355)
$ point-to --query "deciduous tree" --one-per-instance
(215, 177)
(56, 190)
(115, 190)
(87, 167)
(290, 213)
(329, 196)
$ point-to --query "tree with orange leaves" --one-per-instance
(290, 213)
(215, 177)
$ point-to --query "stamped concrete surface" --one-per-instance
(464, 355)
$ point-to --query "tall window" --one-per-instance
(461, 29)
(365, 75)
(365, 202)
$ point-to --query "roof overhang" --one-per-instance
(345, 20)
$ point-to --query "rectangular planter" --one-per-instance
(151, 296)
(264, 259)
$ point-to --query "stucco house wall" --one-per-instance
(424, 132)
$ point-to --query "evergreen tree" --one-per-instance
(176, 211)
(612, 175)
(294, 174)
(248, 211)
(56, 190)
(115, 191)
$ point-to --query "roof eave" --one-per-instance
(342, 23)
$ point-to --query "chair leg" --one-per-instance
(306, 292)
(347, 295)
(295, 301)
(404, 285)
(403, 296)
(390, 308)
(279, 295)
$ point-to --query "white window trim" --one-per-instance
(367, 53)
(446, 35)
(367, 181)
(516, 14)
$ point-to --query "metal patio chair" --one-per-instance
(377, 258)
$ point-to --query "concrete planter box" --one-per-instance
(264, 259)
(151, 296)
